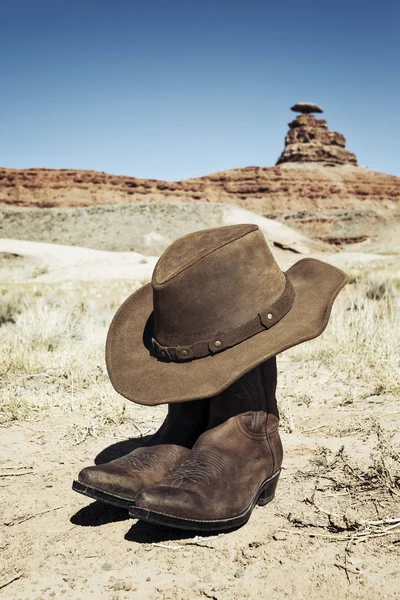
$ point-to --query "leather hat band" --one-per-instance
(221, 341)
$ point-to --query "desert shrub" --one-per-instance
(43, 324)
(378, 287)
(18, 405)
(11, 304)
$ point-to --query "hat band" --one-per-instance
(221, 341)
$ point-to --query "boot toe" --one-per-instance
(89, 476)
(92, 476)
(105, 480)
(171, 501)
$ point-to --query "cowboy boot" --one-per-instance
(119, 481)
(232, 467)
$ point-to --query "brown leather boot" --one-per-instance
(232, 467)
(119, 481)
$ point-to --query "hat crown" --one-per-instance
(211, 281)
(187, 250)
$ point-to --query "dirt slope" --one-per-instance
(140, 227)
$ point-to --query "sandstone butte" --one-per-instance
(315, 186)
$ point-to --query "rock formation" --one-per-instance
(309, 140)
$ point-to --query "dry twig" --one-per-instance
(196, 541)
(314, 428)
(11, 580)
(16, 473)
(348, 568)
(39, 514)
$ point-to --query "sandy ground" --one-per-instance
(44, 262)
(57, 262)
(56, 543)
(325, 535)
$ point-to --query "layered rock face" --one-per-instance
(290, 187)
(309, 140)
(341, 204)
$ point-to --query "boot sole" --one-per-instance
(104, 497)
(263, 496)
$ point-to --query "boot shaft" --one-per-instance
(184, 422)
(255, 391)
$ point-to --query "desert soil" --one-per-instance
(56, 543)
(332, 530)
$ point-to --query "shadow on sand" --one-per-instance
(98, 513)
(147, 533)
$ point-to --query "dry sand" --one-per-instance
(58, 544)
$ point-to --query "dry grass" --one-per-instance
(362, 341)
(53, 354)
(11, 304)
(53, 336)
(349, 500)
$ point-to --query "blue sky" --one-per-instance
(174, 89)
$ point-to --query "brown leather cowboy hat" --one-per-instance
(218, 305)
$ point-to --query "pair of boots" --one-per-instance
(208, 465)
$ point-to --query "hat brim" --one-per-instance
(142, 378)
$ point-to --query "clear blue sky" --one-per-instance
(170, 89)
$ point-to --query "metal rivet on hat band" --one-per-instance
(269, 316)
(184, 352)
(217, 344)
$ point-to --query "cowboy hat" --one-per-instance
(218, 305)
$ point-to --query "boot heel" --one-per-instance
(268, 492)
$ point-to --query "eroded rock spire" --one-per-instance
(309, 140)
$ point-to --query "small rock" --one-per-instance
(239, 573)
(119, 585)
(354, 560)
(279, 536)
